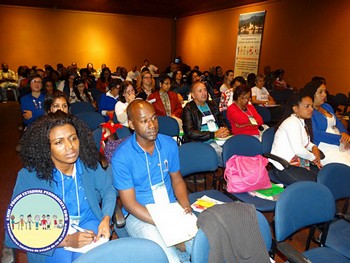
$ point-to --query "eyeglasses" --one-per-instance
(146, 77)
(166, 83)
(37, 81)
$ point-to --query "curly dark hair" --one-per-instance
(35, 151)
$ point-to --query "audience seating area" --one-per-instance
(301, 206)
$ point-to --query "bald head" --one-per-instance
(136, 106)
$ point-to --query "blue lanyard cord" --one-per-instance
(160, 164)
(76, 188)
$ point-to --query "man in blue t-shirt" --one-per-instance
(146, 170)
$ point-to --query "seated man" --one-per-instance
(7, 81)
(146, 170)
(202, 120)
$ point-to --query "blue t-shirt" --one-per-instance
(70, 194)
(130, 167)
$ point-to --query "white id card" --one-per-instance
(212, 127)
(252, 120)
(160, 194)
(73, 220)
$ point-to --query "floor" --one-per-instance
(10, 119)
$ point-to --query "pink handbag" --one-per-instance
(246, 173)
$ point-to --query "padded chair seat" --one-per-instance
(338, 237)
(260, 203)
(325, 255)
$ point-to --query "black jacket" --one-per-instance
(192, 122)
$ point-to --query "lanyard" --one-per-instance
(160, 164)
(76, 187)
(244, 111)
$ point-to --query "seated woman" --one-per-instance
(108, 100)
(80, 93)
(166, 102)
(329, 133)
(179, 86)
(104, 80)
(260, 95)
(226, 98)
(56, 101)
(145, 85)
(228, 81)
(292, 142)
(59, 155)
(126, 95)
(67, 85)
(242, 115)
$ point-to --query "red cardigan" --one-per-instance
(176, 108)
(236, 116)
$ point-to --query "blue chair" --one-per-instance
(336, 177)
(201, 247)
(264, 113)
(248, 146)
(267, 141)
(92, 119)
(97, 135)
(197, 157)
(125, 250)
(79, 107)
(123, 132)
(303, 204)
(169, 126)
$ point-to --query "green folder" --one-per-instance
(274, 190)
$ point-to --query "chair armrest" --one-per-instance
(278, 159)
(118, 217)
(292, 255)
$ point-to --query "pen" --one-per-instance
(76, 227)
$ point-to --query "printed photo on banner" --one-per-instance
(250, 30)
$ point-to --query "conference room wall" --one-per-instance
(306, 38)
(47, 36)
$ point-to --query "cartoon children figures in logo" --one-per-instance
(13, 221)
(29, 222)
(54, 217)
(37, 220)
(45, 222)
(21, 222)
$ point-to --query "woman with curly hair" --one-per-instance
(59, 155)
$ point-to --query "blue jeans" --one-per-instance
(140, 229)
(218, 150)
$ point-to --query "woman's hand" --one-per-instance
(317, 160)
(345, 138)
(104, 228)
(27, 114)
(129, 97)
(78, 239)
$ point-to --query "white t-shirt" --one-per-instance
(261, 94)
(120, 112)
(291, 139)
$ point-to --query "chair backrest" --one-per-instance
(264, 113)
(123, 250)
(97, 135)
(201, 247)
(267, 139)
(302, 204)
(79, 107)
(336, 177)
(168, 126)
(241, 145)
(123, 132)
(197, 157)
(92, 119)
(341, 98)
